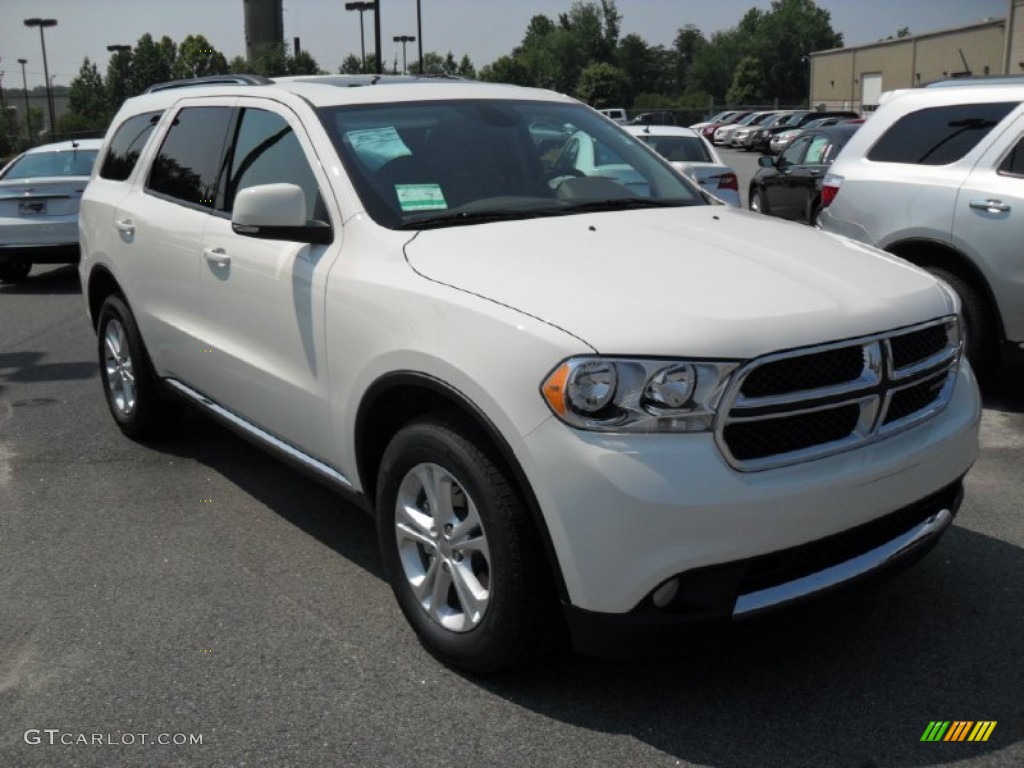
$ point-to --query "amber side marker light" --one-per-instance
(554, 389)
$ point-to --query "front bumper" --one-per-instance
(712, 596)
(627, 513)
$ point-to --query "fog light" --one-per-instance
(666, 593)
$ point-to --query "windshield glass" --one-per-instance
(678, 149)
(445, 163)
(39, 164)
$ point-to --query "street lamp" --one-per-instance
(361, 7)
(24, 88)
(419, 33)
(403, 39)
(43, 24)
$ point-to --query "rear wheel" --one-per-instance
(129, 382)
(981, 338)
(461, 551)
(14, 271)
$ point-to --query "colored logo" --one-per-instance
(958, 730)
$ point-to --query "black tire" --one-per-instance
(14, 271)
(520, 618)
(981, 337)
(755, 201)
(148, 414)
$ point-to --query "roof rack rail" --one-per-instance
(211, 80)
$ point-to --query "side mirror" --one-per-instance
(766, 161)
(277, 212)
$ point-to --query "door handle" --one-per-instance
(992, 206)
(125, 227)
(217, 256)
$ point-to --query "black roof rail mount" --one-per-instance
(211, 80)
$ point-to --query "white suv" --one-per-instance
(600, 402)
(936, 176)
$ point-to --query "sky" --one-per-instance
(483, 29)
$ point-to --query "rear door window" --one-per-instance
(816, 151)
(189, 162)
(938, 135)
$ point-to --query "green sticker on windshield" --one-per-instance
(420, 197)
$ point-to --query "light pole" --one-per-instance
(361, 7)
(403, 39)
(24, 90)
(419, 33)
(43, 24)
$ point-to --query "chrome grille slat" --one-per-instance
(915, 390)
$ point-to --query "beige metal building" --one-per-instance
(854, 77)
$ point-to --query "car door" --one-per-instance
(988, 223)
(779, 194)
(158, 233)
(803, 178)
(264, 299)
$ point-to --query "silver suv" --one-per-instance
(936, 177)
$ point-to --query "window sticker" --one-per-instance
(420, 197)
(377, 146)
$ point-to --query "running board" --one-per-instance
(264, 439)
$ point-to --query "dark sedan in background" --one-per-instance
(789, 186)
(762, 139)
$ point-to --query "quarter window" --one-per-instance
(266, 151)
(127, 144)
(938, 135)
(189, 160)
(1013, 163)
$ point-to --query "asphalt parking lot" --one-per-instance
(197, 587)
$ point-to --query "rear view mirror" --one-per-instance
(277, 212)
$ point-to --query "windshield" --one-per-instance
(793, 119)
(445, 163)
(41, 164)
(678, 149)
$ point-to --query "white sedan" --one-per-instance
(39, 195)
(693, 156)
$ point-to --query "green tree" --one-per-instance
(88, 95)
(198, 58)
(602, 85)
(117, 82)
(687, 46)
(303, 63)
(466, 68)
(239, 65)
(790, 31)
(747, 83)
(351, 65)
(507, 69)
(151, 63)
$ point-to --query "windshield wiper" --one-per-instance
(460, 218)
(622, 204)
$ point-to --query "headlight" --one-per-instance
(615, 394)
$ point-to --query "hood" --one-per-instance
(704, 281)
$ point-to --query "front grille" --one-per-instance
(912, 348)
(807, 403)
(823, 369)
(913, 399)
(757, 439)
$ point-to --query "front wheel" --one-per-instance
(461, 551)
(756, 202)
(14, 271)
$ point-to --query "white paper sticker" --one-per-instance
(376, 146)
(420, 197)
